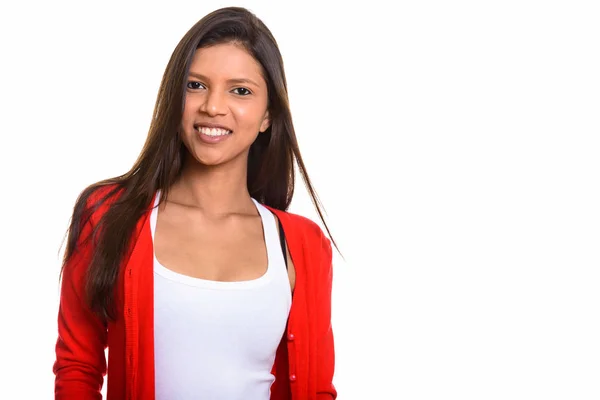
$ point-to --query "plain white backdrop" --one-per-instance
(455, 146)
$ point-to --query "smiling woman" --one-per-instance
(188, 267)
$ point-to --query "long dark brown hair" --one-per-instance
(270, 163)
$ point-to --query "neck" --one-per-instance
(218, 190)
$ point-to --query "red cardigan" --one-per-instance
(304, 362)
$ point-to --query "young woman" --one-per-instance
(188, 268)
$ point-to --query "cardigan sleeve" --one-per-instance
(325, 345)
(80, 364)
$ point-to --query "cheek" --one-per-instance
(189, 114)
(249, 116)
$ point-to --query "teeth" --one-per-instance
(213, 131)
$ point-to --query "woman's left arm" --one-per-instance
(325, 345)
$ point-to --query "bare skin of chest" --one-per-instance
(226, 248)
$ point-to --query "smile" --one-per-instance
(213, 131)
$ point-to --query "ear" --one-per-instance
(265, 123)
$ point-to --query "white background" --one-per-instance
(455, 146)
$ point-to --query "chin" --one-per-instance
(213, 157)
(209, 161)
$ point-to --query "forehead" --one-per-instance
(227, 61)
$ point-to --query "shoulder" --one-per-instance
(97, 198)
(309, 247)
(303, 227)
(103, 193)
(297, 222)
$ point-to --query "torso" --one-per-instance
(222, 298)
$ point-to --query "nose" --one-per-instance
(214, 103)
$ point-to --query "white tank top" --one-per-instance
(217, 340)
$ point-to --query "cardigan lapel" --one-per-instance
(296, 240)
(139, 313)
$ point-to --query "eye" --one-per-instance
(194, 85)
(242, 91)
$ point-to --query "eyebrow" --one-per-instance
(231, 81)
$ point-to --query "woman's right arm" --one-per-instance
(80, 363)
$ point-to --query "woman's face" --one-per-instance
(225, 104)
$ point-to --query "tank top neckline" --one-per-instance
(269, 230)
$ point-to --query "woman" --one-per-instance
(187, 268)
